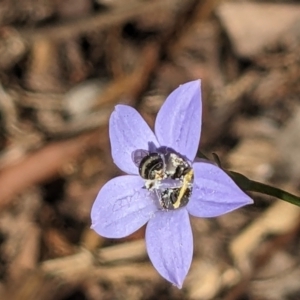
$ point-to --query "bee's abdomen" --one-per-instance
(150, 165)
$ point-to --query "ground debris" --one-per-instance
(64, 65)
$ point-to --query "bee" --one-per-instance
(173, 198)
(176, 166)
(151, 165)
(158, 168)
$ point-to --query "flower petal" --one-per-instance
(214, 192)
(121, 207)
(128, 132)
(178, 123)
(169, 242)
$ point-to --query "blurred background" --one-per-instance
(64, 65)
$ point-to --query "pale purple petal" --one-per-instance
(170, 244)
(214, 192)
(178, 123)
(128, 131)
(121, 207)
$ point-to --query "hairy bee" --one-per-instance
(168, 174)
(151, 165)
(173, 198)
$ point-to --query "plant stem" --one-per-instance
(253, 186)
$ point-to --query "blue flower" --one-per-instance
(150, 193)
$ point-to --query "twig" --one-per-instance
(41, 165)
(98, 22)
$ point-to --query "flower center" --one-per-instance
(174, 197)
(168, 175)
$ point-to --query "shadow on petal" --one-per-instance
(121, 207)
(170, 244)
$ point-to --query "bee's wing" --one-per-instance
(138, 155)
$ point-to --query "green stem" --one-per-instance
(253, 186)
